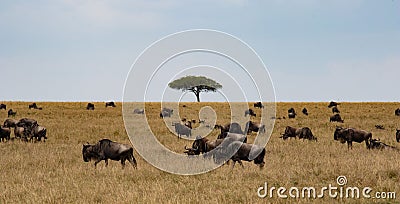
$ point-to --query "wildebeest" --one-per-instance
(380, 127)
(254, 127)
(10, 123)
(377, 144)
(333, 103)
(19, 132)
(241, 152)
(3, 106)
(336, 118)
(397, 112)
(39, 132)
(305, 111)
(166, 112)
(4, 133)
(29, 126)
(11, 113)
(233, 136)
(231, 127)
(306, 133)
(258, 105)
(34, 106)
(189, 124)
(138, 111)
(202, 145)
(350, 135)
(301, 133)
(90, 106)
(291, 113)
(397, 135)
(182, 130)
(110, 104)
(106, 149)
(335, 109)
(249, 112)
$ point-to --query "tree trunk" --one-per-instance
(197, 96)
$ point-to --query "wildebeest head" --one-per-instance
(87, 152)
(338, 133)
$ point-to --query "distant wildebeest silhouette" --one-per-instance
(138, 111)
(291, 113)
(254, 127)
(333, 103)
(110, 104)
(397, 135)
(350, 135)
(34, 106)
(305, 111)
(90, 106)
(258, 105)
(249, 112)
(336, 118)
(3, 106)
(11, 113)
(231, 127)
(335, 109)
(397, 112)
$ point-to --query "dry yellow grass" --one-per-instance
(54, 172)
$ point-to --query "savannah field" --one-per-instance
(54, 171)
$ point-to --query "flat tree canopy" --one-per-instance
(195, 84)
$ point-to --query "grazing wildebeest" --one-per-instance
(4, 133)
(335, 109)
(29, 126)
(258, 105)
(254, 127)
(90, 106)
(377, 144)
(19, 132)
(380, 127)
(301, 133)
(182, 130)
(106, 149)
(111, 104)
(32, 106)
(249, 112)
(305, 111)
(241, 152)
(336, 118)
(10, 123)
(291, 113)
(333, 103)
(350, 135)
(39, 132)
(397, 112)
(305, 133)
(202, 145)
(11, 113)
(232, 127)
(397, 135)
(3, 106)
(138, 111)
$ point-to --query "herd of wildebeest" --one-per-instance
(231, 143)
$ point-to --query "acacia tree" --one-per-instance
(195, 84)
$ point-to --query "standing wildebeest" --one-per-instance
(19, 132)
(138, 111)
(306, 133)
(90, 106)
(335, 109)
(4, 133)
(11, 113)
(333, 103)
(32, 106)
(39, 132)
(111, 104)
(106, 149)
(305, 111)
(241, 151)
(249, 112)
(336, 118)
(258, 105)
(3, 106)
(397, 112)
(233, 136)
(350, 135)
(397, 135)
(166, 112)
(254, 127)
(291, 113)
(29, 126)
(231, 127)
(10, 123)
(182, 130)
(301, 133)
(203, 145)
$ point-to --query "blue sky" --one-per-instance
(60, 50)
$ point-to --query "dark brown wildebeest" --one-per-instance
(397, 135)
(377, 144)
(138, 111)
(241, 152)
(90, 106)
(232, 127)
(233, 136)
(335, 109)
(10, 123)
(19, 132)
(110, 104)
(3, 106)
(305, 111)
(182, 130)
(258, 105)
(5, 133)
(397, 112)
(336, 118)
(301, 133)
(380, 127)
(332, 104)
(11, 113)
(202, 145)
(32, 106)
(29, 126)
(351, 135)
(39, 132)
(106, 149)
(305, 133)
(254, 127)
(291, 113)
(249, 112)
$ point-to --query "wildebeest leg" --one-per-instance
(241, 164)
(349, 145)
(106, 161)
(233, 164)
(97, 161)
(132, 160)
(123, 162)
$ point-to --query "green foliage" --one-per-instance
(195, 84)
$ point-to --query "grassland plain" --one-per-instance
(54, 172)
